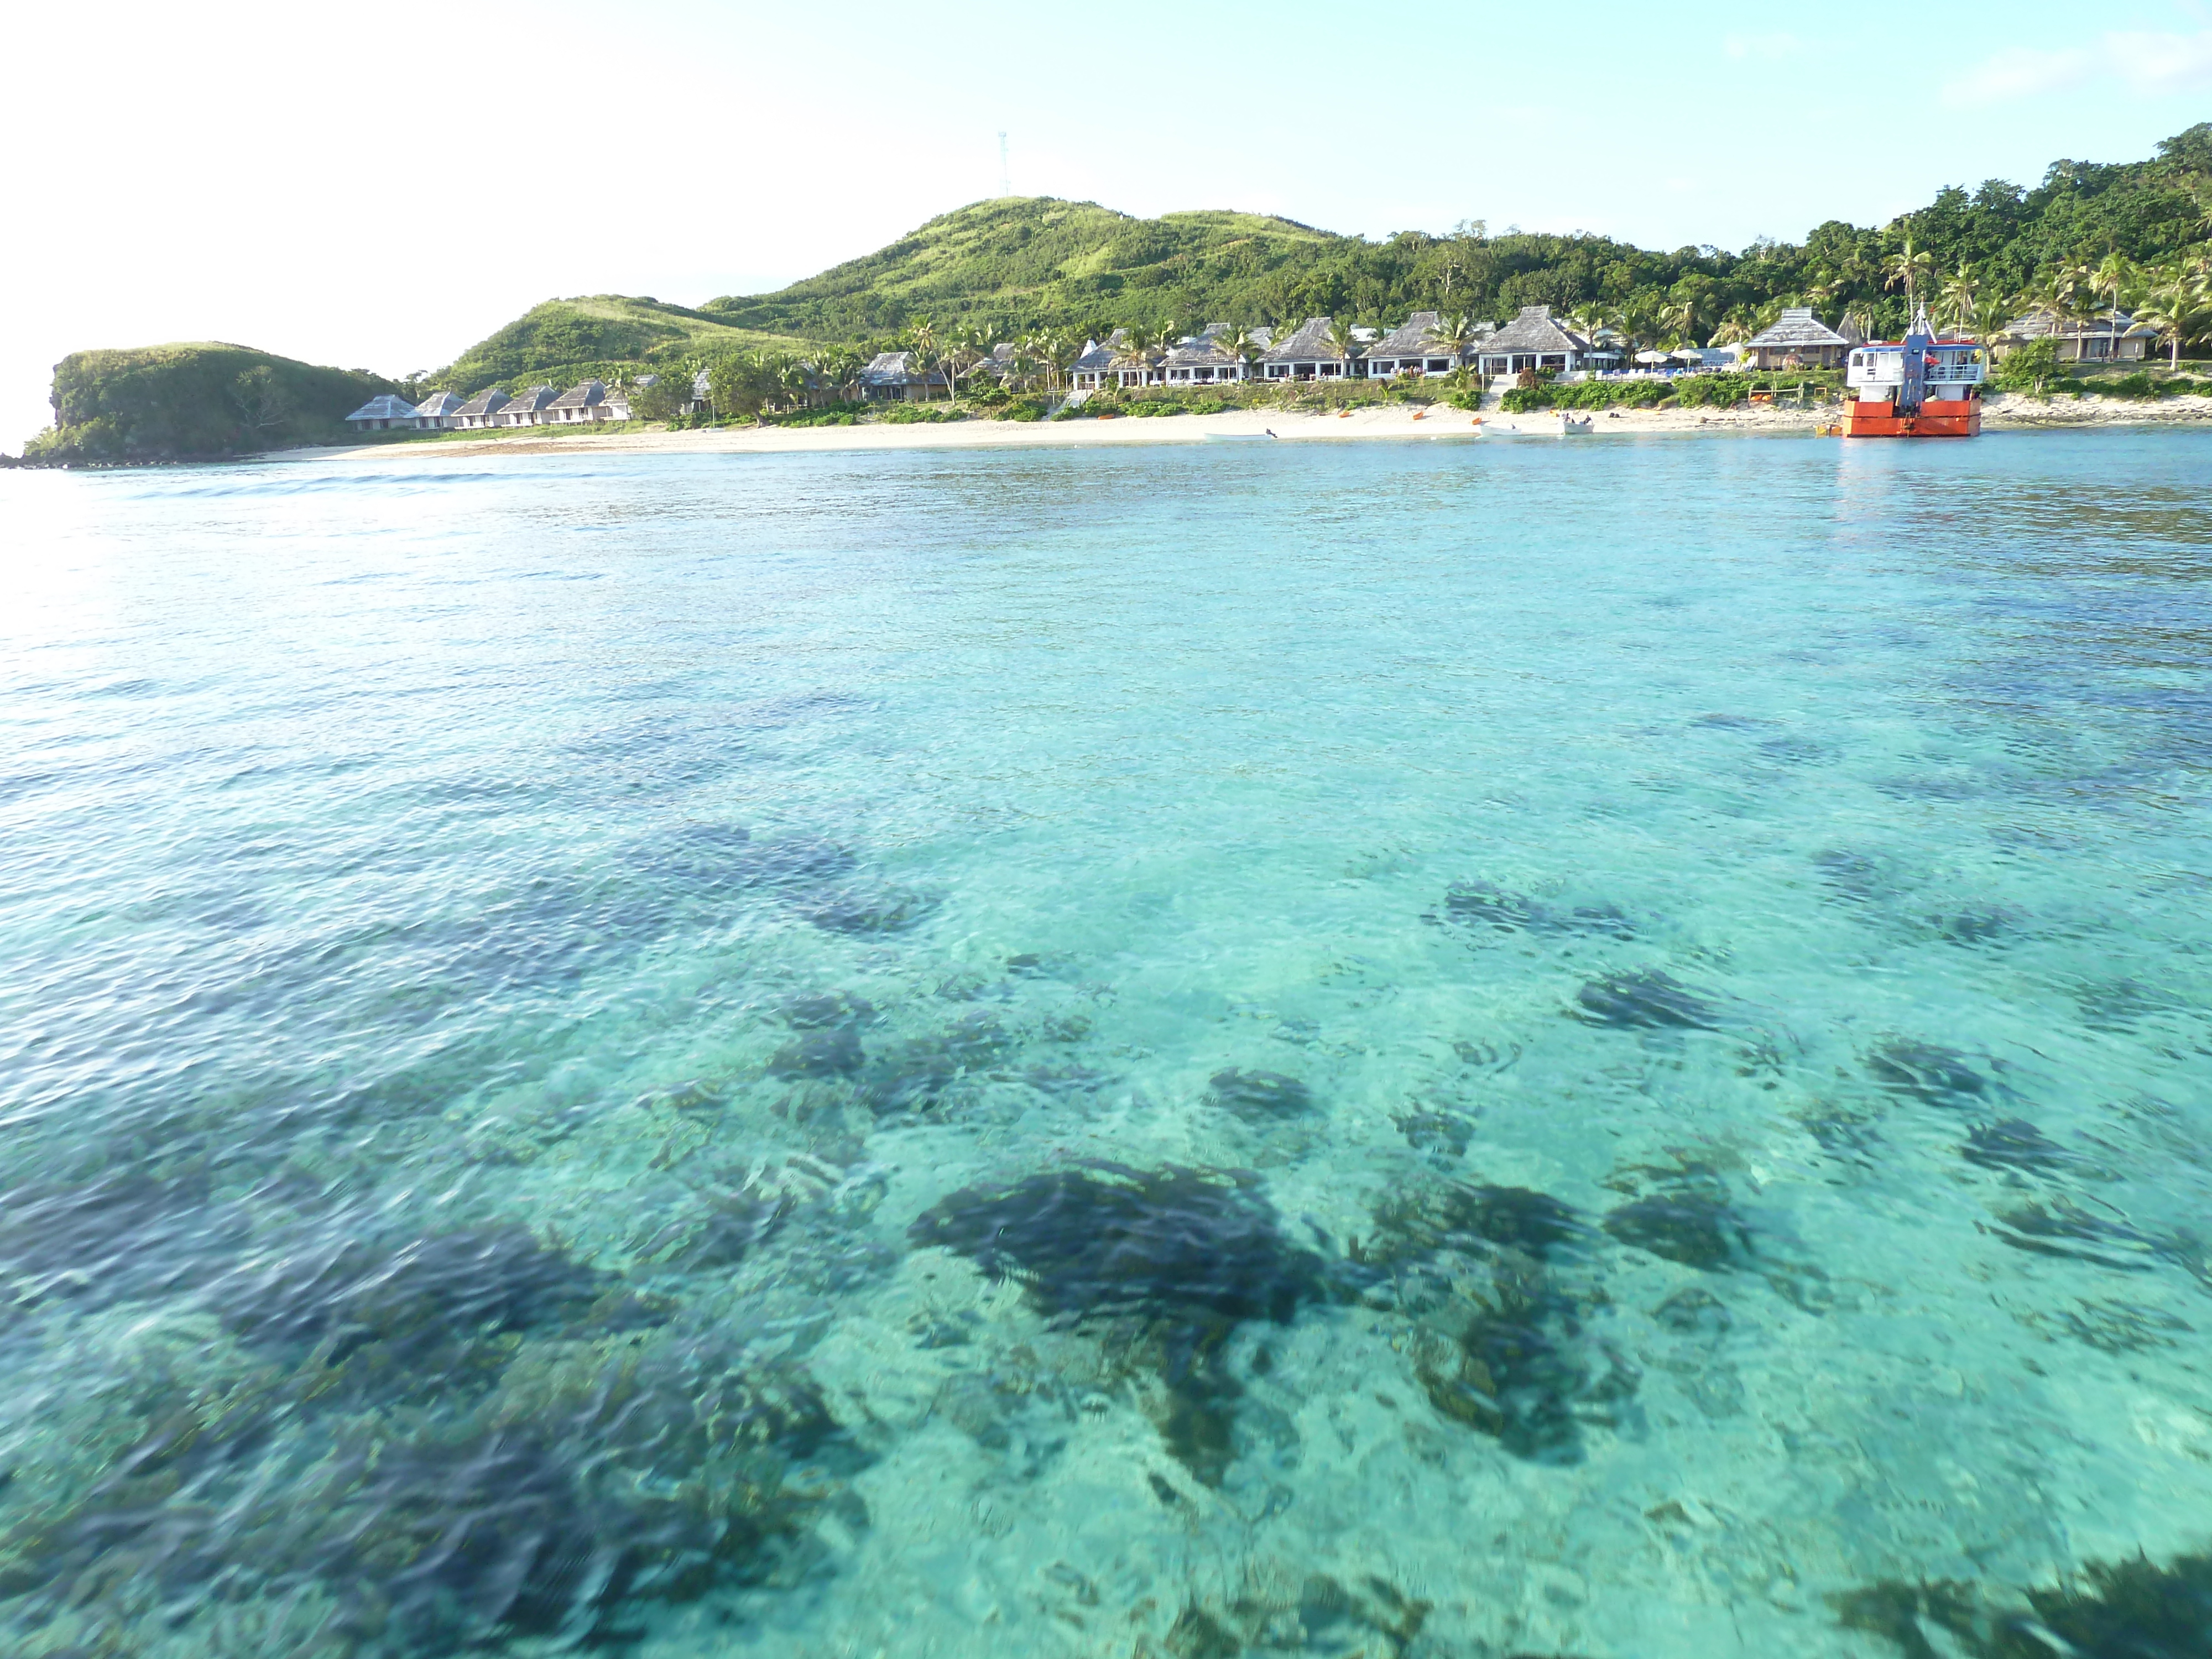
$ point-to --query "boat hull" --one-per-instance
(1938, 419)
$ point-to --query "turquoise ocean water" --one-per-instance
(1427, 1049)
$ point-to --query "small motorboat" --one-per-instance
(1571, 428)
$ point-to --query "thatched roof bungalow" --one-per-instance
(384, 414)
(581, 402)
(1410, 348)
(436, 412)
(527, 407)
(481, 410)
(1531, 341)
(1306, 355)
(1088, 371)
(2110, 337)
(895, 377)
(1201, 360)
(1796, 339)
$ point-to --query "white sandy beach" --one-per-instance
(1399, 422)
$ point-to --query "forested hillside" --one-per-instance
(1017, 265)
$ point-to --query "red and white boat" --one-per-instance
(1921, 386)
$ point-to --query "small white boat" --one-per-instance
(1571, 428)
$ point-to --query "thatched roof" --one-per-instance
(1097, 355)
(897, 369)
(1202, 351)
(488, 402)
(530, 401)
(385, 408)
(583, 395)
(1796, 327)
(1309, 344)
(1535, 332)
(439, 402)
(1414, 337)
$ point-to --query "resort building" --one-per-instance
(584, 402)
(2113, 337)
(1306, 355)
(1797, 339)
(894, 377)
(384, 414)
(435, 412)
(527, 407)
(1089, 371)
(1201, 360)
(1532, 341)
(481, 410)
(1411, 347)
(615, 406)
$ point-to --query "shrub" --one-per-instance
(2030, 368)
(2137, 385)
(908, 414)
(1709, 391)
(1522, 400)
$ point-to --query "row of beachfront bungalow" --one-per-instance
(541, 405)
(1311, 352)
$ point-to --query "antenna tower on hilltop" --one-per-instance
(1005, 178)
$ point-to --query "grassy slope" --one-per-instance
(1028, 257)
(562, 336)
(195, 400)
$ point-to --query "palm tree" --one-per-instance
(1736, 328)
(1454, 336)
(1955, 301)
(1139, 342)
(1909, 268)
(926, 348)
(1237, 341)
(1343, 342)
(2113, 279)
(796, 380)
(2179, 300)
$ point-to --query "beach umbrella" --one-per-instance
(1650, 356)
(1690, 354)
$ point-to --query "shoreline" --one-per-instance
(1438, 422)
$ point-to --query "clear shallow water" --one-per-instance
(528, 997)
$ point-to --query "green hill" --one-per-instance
(566, 340)
(1037, 258)
(194, 401)
(1021, 263)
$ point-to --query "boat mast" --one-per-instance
(1913, 391)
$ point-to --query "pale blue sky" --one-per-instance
(380, 186)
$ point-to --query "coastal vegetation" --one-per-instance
(193, 402)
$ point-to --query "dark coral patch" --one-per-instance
(1479, 905)
(1927, 1073)
(1167, 1262)
(1465, 1216)
(1259, 1096)
(557, 1509)
(2132, 1609)
(835, 1052)
(2012, 1144)
(1105, 1239)
(1647, 998)
(1691, 1223)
